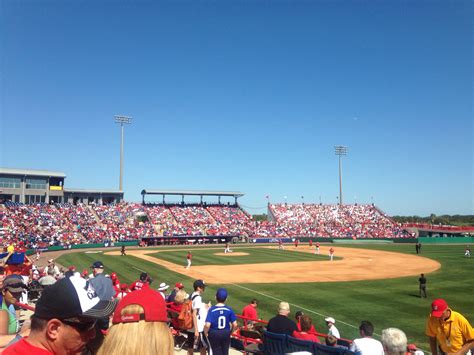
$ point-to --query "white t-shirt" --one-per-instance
(334, 332)
(367, 346)
(202, 310)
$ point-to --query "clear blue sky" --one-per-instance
(246, 95)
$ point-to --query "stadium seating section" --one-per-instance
(43, 225)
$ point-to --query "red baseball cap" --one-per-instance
(153, 304)
(72, 268)
(438, 307)
(179, 285)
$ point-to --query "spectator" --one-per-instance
(367, 345)
(139, 326)
(221, 322)
(102, 285)
(12, 290)
(394, 341)
(331, 340)
(448, 329)
(298, 316)
(163, 287)
(306, 323)
(64, 319)
(51, 266)
(195, 336)
(178, 286)
(49, 279)
(281, 324)
(143, 282)
(175, 307)
(250, 312)
(332, 330)
(123, 291)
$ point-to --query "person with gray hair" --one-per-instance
(394, 341)
(281, 324)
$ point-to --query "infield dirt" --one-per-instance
(356, 264)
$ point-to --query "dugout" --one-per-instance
(188, 240)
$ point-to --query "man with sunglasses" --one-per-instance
(65, 319)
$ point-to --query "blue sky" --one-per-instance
(245, 95)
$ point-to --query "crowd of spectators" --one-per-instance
(42, 225)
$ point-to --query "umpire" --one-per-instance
(422, 281)
(220, 323)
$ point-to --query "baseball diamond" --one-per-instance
(355, 265)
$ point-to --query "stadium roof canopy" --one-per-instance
(193, 193)
(32, 172)
(92, 191)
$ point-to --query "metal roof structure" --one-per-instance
(193, 193)
(32, 172)
(92, 191)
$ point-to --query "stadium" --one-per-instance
(372, 273)
(243, 177)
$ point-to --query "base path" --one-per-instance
(355, 265)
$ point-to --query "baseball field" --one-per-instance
(376, 282)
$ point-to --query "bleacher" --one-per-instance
(65, 224)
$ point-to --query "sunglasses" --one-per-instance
(80, 326)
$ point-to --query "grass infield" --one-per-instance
(386, 303)
(255, 256)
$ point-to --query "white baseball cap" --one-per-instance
(330, 320)
(163, 286)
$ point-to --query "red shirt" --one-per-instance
(189, 256)
(306, 336)
(311, 330)
(22, 347)
(138, 285)
(250, 312)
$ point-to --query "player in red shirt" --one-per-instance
(188, 258)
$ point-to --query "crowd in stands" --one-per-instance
(42, 225)
(97, 314)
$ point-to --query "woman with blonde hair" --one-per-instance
(139, 326)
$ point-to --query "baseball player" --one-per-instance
(280, 244)
(220, 323)
(468, 251)
(188, 258)
(296, 242)
(227, 248)
(316, 251)
(310, 243)
(331, 253)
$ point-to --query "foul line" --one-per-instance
(292, 304)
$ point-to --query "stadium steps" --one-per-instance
(95, 215)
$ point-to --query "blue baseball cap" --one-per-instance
(221, 294)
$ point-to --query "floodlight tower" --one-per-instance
(122, 120)
(340, 150)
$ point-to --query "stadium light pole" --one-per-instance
(122, 120)
(340, 150)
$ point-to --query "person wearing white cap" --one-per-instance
(332, 328)
(163, 287)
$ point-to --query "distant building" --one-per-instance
(30, 186)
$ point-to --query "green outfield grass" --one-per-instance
(387, 303)
(255, 256)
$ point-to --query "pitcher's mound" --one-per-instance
(237, 253)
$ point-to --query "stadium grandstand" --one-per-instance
(38, 210)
